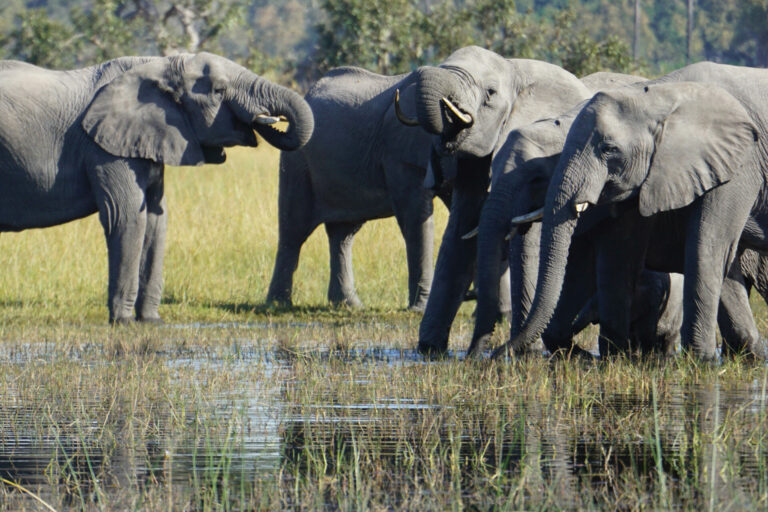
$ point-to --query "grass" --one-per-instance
(233, 405)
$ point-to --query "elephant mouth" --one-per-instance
(451, 140)
(214, 154)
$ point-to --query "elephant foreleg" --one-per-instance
(296, 222)
(152, 252)
(119, 193)
(341, 288)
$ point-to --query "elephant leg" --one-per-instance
(734, 317)
(341, 288)
(152, 252)
(119, 193)
(296, 221)
(620, 260)
(578, 292)
(711, 247)
(413, 211)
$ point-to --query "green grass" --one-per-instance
(171, 417)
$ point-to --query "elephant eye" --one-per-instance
(608, 149)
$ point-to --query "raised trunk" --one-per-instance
(433, 84)
(275, 100)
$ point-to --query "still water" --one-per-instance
(227, 417)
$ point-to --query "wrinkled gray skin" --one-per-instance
(687, 152)
(521, 173)
(360, 164)
(498, 95)
(73, 143)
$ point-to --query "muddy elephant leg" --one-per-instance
(341, 288)
(734, 317)
(119, 193)
(413, 210)
(152, 252)
(296, 221)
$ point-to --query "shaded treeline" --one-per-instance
(296, 41)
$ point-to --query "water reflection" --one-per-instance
(254, 428)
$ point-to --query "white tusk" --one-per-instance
(581, 207)
(529, 217)
(407, 121)
(471, 234)
(265, 119)
(461, 116)
(511, 234)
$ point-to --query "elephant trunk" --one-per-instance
(556, 233)
(491, 258)
(436, 90)
(269, 99)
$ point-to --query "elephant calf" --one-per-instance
(73, 143)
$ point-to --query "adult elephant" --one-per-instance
(470, 103)
(73, 143)
(471, 120)
(686, 152)
(360, 164)
(522, 171)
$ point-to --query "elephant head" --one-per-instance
(184, 110)
(663, 145)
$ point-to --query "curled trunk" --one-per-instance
(275, 100)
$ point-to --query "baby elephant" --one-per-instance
(73, 143)
(657, 313)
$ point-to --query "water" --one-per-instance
(235, 415)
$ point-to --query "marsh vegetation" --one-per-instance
(235, 405)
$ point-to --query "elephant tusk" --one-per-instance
(407, 121)
(581, 208)
(267, 119)
(471, 234)
(511, 234)
(461, 116)
(533, 216)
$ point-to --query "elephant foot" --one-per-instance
(574, 352)
(352, 302)
(477, 347)
(123, 320)
(430, 351)
(418, 308)
(754, 351)
(282, 301)
(155, 319)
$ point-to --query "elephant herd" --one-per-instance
(641, 205)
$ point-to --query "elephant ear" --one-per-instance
(701, 143)
(136, 115)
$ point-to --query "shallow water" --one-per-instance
(256, 427)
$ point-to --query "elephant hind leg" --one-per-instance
(341, 288)
(413, 211)
(735, 320)
(296, 221)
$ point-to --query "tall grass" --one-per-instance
(221, 244)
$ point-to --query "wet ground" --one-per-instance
(222, 423)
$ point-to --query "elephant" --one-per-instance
(360, 164)
(74, 143)
(681, 163)
(470, 119)
(469, 104)
(522, 170)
